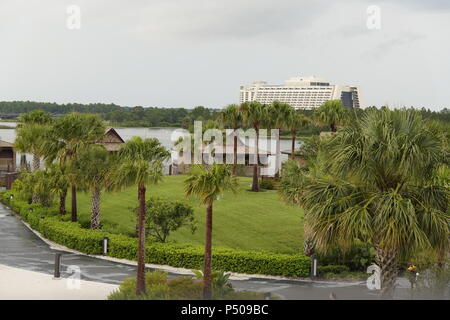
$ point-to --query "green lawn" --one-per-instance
(245, 220)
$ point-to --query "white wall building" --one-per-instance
(301, 93)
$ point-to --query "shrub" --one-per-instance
(70, 234)
(159, 287)
(335, 269)
(220, 284)
(358, 257)
(34, 185)
(267, 184)
(164, 216)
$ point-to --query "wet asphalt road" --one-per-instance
(21, 248)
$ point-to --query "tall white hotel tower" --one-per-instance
(301, 93)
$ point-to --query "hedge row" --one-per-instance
(322, 270)
(56, 228)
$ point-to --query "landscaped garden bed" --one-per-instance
(70, 234)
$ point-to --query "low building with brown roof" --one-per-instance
(7, 157)
(112, 141)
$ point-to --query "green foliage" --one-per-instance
(32, 131)
(140, 162)
(70, 234)
(296, 121)
(380, 188)
(164, 216)
(332, 113)
(36, 184)
(70, 135)
(310, 147)
(231, 117)
(93, 165)
(255, 114)
(209, 183)
(357, 257)
(280, 115)
(152, 116)
(268, 184)
(293, 181)
(345, 275)
(37, 116)
(279, 223)
(159, 287)
(220, 282)
(335, 269)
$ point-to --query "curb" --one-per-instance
(181, 271)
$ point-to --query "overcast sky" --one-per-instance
(184, 53)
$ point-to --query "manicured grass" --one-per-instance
(245, 220)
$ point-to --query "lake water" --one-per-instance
(164, 135)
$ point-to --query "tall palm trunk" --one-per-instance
(74, 203)
(95, 210)
(278, 156)
(441, 256)
(36, 162)
(308, 247)
(387, 260)
(62, 202)
(207, 278)
(255, 183)
(140, 278)
(235, 154)
(36, 165)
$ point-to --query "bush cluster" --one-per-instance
(268, 184)
(57, 228)
(335, 269)
(357, 257)
(159, 287)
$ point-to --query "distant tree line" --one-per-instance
(157, 117)
(19, 107)
(115, 114)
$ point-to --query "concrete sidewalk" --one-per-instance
(29, 285)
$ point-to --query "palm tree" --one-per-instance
(296, 121)
(69, 136)
(331, 113)
(140, 163)
(32, 130)
(208, 183)
(255, 115)
(377, 188)
(35, 117)
(295, 178)
(279, 113)
(94, 166)
(59, 183)
(231, 116)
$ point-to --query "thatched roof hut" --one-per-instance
(112, 141)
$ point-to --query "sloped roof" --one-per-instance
(114, 132)
(111, 145)
(242, 148)
(5, 144)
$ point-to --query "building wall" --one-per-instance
(7, 159)
(301, 93)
